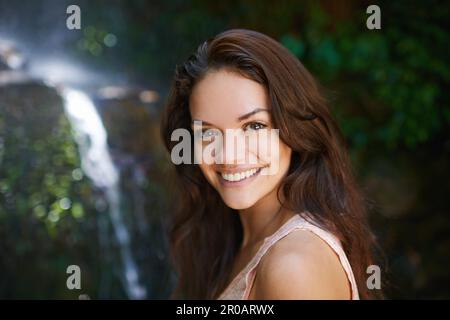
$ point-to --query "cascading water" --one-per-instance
(91, 136)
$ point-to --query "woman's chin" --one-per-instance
(239, 203)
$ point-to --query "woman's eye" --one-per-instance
(255, 126)
(207, 133)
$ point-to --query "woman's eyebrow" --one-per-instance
(243, 117)
(247, 115)
(206, 123)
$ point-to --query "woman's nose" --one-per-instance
(234, 147)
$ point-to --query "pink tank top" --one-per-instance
(239, 288)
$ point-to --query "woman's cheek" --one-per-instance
(268, 151)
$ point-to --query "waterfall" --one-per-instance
(96, 162)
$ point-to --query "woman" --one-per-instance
(287, 224)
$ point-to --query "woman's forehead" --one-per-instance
(223, 97)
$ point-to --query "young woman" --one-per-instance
(242, 229)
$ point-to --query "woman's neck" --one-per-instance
(262, 219)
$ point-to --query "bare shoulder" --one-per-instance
(301, 266)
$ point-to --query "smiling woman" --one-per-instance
(281, 221)
(226, 101)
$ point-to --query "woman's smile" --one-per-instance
(238, 177)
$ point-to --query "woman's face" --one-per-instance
(250, 168)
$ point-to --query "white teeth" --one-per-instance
(239, 176)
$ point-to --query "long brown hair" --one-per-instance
(205, 234)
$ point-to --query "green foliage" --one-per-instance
(38, 161)
(395, 78)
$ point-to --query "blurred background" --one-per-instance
(84, 177)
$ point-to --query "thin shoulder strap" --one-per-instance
(297, 223)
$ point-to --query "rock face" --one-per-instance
(50, 214)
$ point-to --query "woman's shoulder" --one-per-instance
(301, 265)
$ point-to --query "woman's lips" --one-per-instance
(235, 179)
